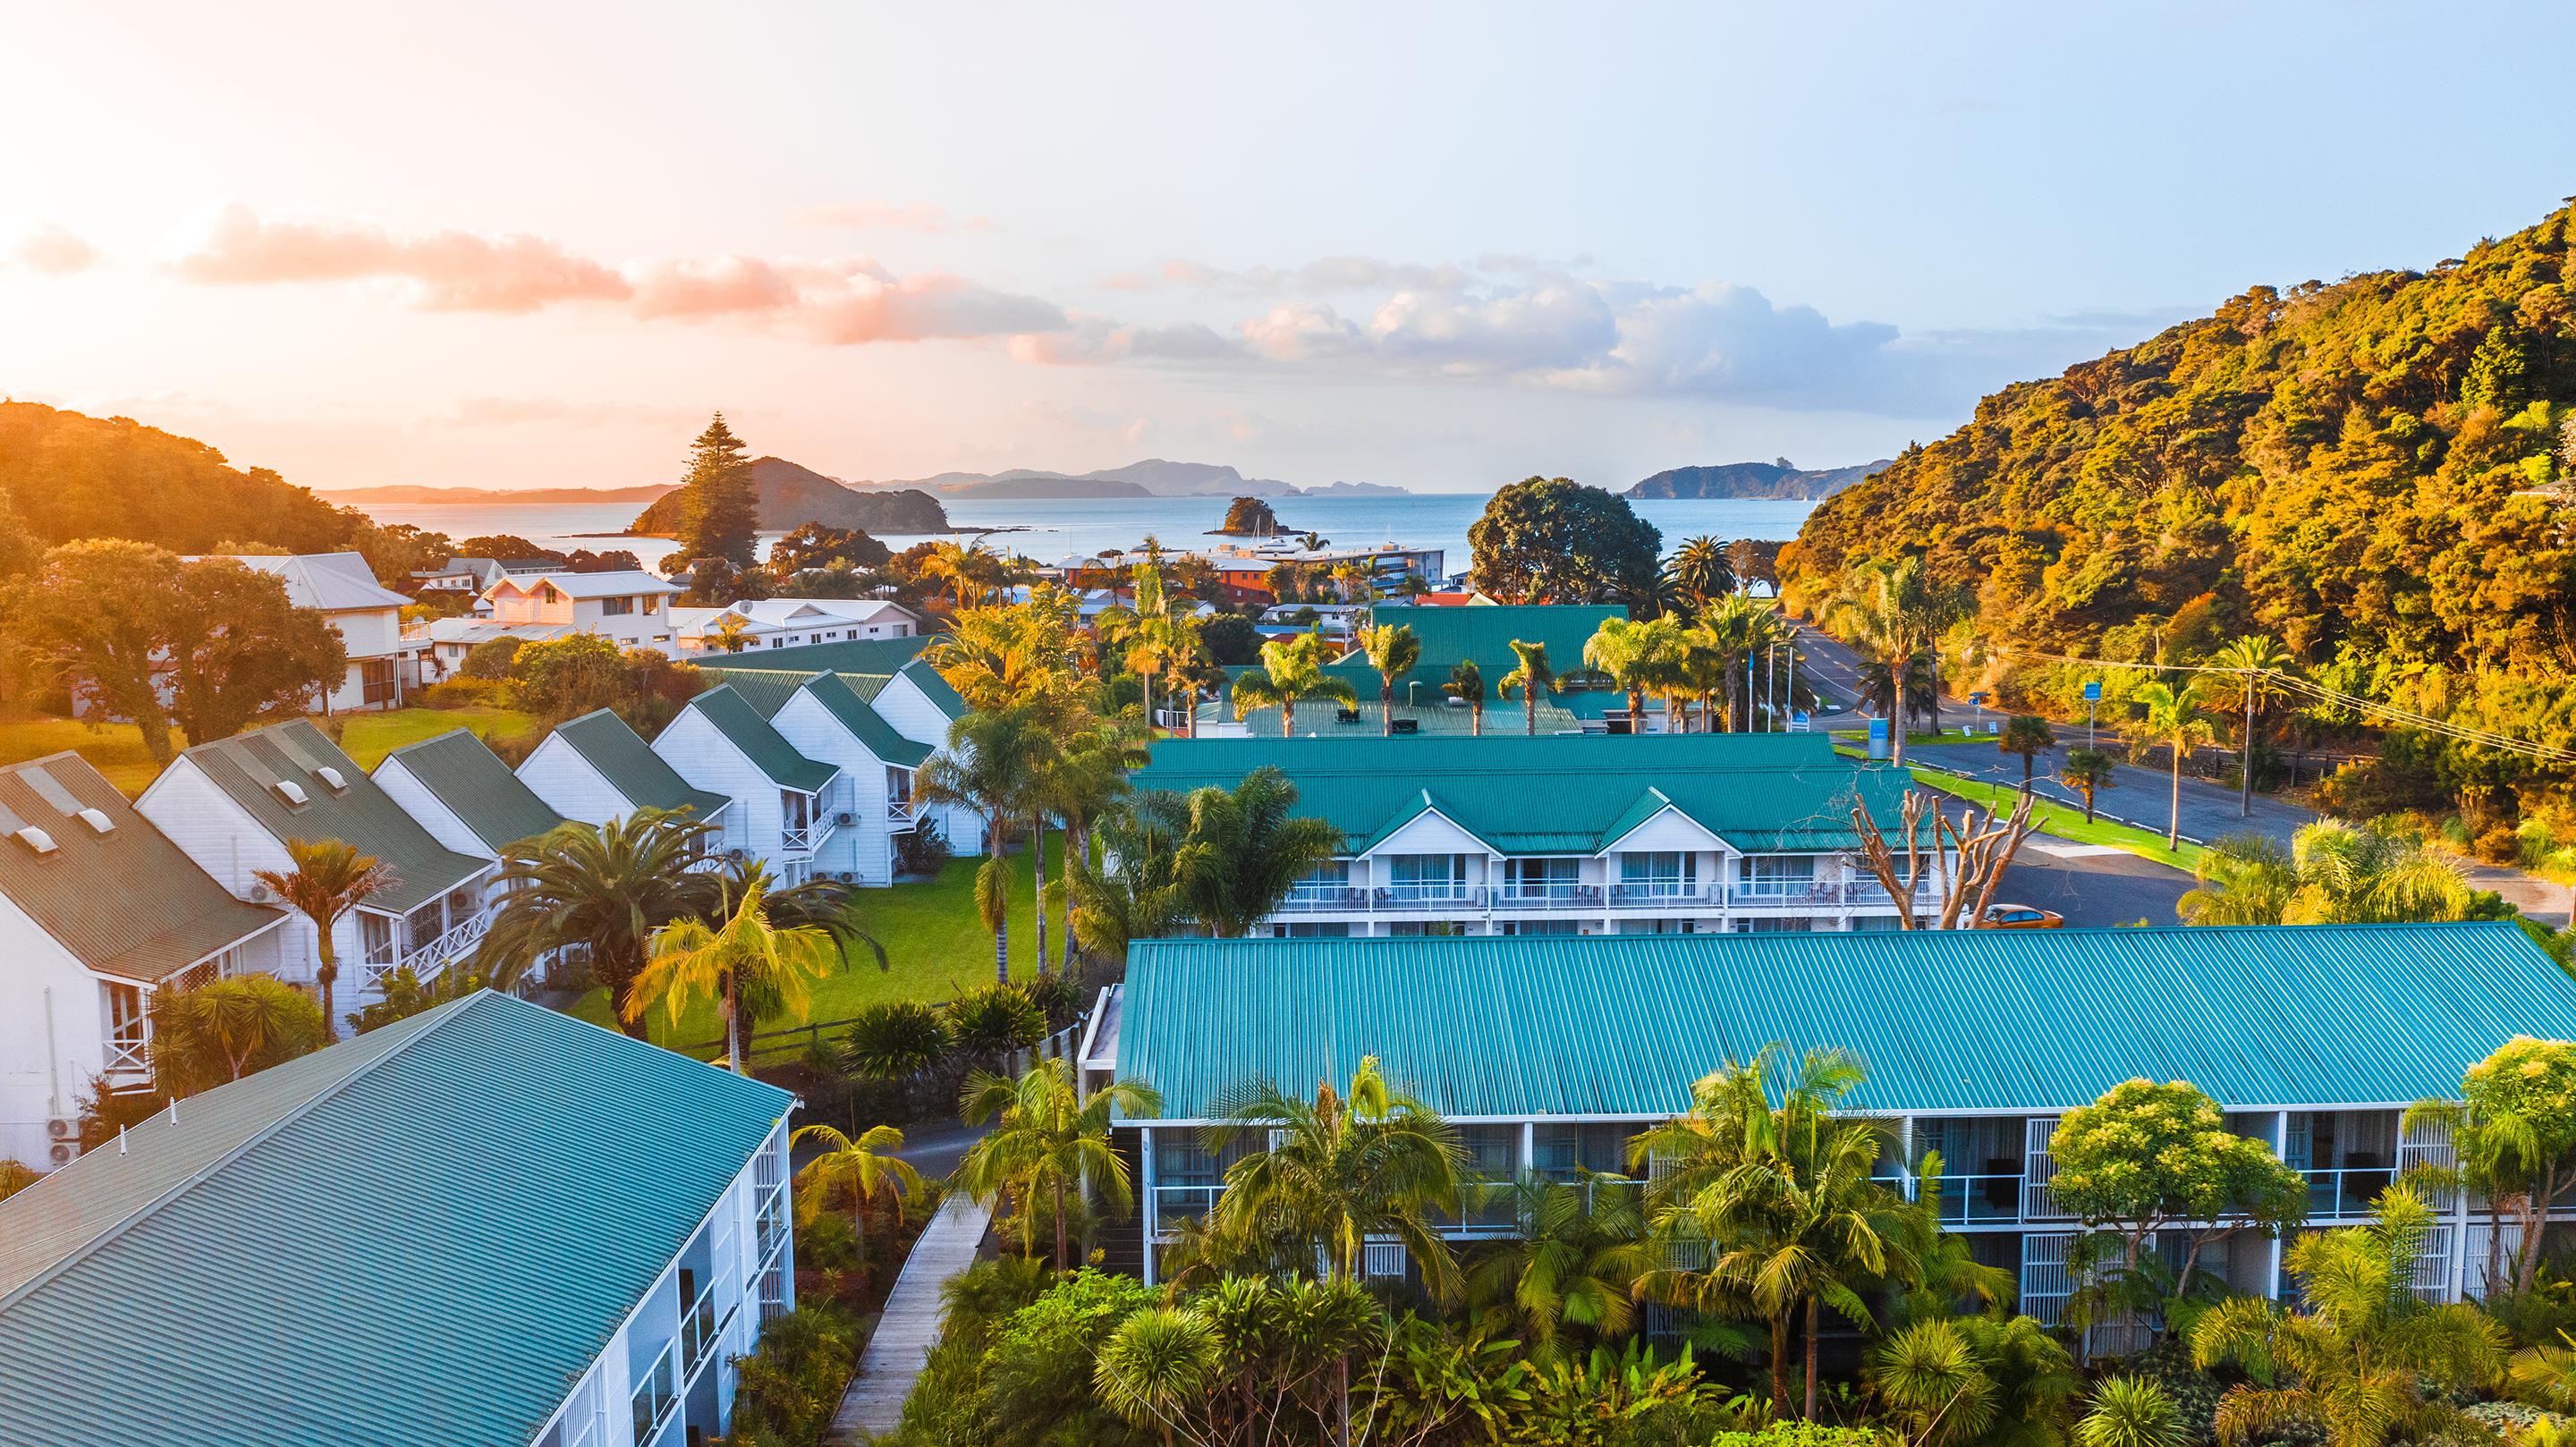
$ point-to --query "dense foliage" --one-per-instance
(1553, 540)
(69, 476)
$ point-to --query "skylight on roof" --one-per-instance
(36, 839)
(333, 777)
(289, 790)
(97, 820)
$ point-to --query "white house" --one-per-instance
(232, 804)
(448, 640)
(327, 1252)
(912, 700)
(827, 718)
(596, 769)
(628, 605)
(463, 794)
(384, 666)
(786, 807)
(796, 622)
(98, 912)
(459, 575)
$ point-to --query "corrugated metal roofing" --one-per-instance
(768, 689)
(855, 655)
(326, 582)
(1560, 794)
(418, 1238)
(935, 688)
(1322, 717)
(835, 694)
(631, 767)
(462, 772)
(614, 583)
(128, 902)
(2309, 1016)
(248, 766)
(768, 751)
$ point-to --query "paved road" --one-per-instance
(2093, 886)
(2141, 796)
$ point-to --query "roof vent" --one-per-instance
(332, 777)
(98, 821)
(36, 839)
(289, 790)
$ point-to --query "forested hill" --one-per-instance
(1752, 480)
(791, 495)
(2372, 471)
(67, 476)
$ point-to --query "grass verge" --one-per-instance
(116, 750)
(2060, 820)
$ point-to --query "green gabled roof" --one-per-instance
(936, 689)
(768, 689)
(856, 655)
(127, 902)
(1564, 793)
(1425, 803)
(362, 815)
(462, 772)
(745, 729)
(834, 693)
(2308, 1016)
(631, 767)
(488, 1172)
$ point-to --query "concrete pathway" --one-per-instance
(896, 1354)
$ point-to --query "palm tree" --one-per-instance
(1574, 1265)
(2260, 660)
(1087, 777)
(1392, 652)
(2029, 736)
(1157, 1363)
(861, 1169)
(1700, 571)
(1467, 683)
(744, 957)
(1636, 656)
(2131, 1412)
(1879, 693)
(1244, 849)
(1897, 613)
(970, 569)
(1780, 1199)
(1533, 678)
(993, 764)
(1133, 892)
(1048, 1138)
(329, 879)
(2332, 873)
(229, 1027)
(2176, 721)
(1292, 670)
(1011, 653)
(603, 889)
(2087, 772)
(2361, 1350)
(1992, 1380)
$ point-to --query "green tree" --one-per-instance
(720, 503)
(1050, 1138)
(1990, 1380)
(561, 678)
(1701, 571)
(97, 618)
(1532, 677)
(1551, 540)
(1392, 651)
(600, 889)
(1292, 670)
(1467, 685)
(1640, 657)
(2088, 772)
(1244, 849)
(2173, 720)
(2260, 662)
(992, 764)
(1567, 1279)
(861, 1168)
(2332, 873)
(228, 1028)
(1896, 612)
(1132, 890)
(327, 879)
(2146, 1158)
(2029, 736)
(2497, 373)
(2357, 1356)
(2131, 1412)
(743, 956)
(239, 651)
(2513, 1132)
(810, 545)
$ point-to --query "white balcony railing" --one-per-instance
(430, 960)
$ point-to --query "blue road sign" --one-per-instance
(2093, 691)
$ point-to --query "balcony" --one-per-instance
(1175, 1204)
(1666, 894)
(656, 1396)
(1552, 895)
(1323, 898)
(698, 1331)
(1426, 898)
(2345, 1192)
(429, 961)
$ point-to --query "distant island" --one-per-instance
(405, 494)
(1353, 489)
(791, 495)
(1153, 477)
(1249, 517)
(1778, 479)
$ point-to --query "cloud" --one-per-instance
(50, 249)
(1334, 275)
(885, 216)
(445, 271)
(1087, 339)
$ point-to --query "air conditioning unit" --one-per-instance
(260, 893)
(62, 1128)
(736, 856)
(844, 820)
(63, 1153)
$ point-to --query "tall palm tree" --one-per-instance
(1896, 612)
(824, 904)
(2361, 1350)
(1467, 684)
(328, 879)
(1778, 1197)
(2029, 736)
(992, 764)
(2088, 772)
(1568, 1277)
(1133, 891)
(861, 1169)
(1635, 655)
(1534, 678)
(1292, 670)
(1011, 653)
(746, 955)
(1087, 775)
(1049, 1139)
(1392, 651)
(969, 569)
(1244, 849)
(2175, 720)
(2260, 661)
(603, 889)
(1700, 571)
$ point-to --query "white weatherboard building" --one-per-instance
(232, 804)
(98, 913)
(768, 623)
(384, 666)
(826, 718)
(596, 769)
(628, 606)
(488, 1225)
(785, 807)
(463, 794)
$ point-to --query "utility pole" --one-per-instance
(2245, 790)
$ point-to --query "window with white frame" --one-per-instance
(1776, 874)
(125, 1029)
(616, 607)
(1659, 872)
(1541, 878)
(1427, 876)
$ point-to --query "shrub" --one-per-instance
(2500, 844)
(230, 1028)
(406, 996)
(1057, 996)
(1802, 1434)
(792, 1384)
(464, 692)
(923, 851)
(894, 1041)
(492, 659)
(1037, 1373)
(991, 1020)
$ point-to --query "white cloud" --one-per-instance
(50, 249)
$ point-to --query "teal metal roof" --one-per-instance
(249, 766)
(1322, 717)
(1560, 794)
(742, 725)
(462, 772)
(2312, 1016)
(834, 693)
(418, 1238)
(765, 689)
(936, 689)
(1484, 636)
(856, 655)
(127, 902)
(631, 767)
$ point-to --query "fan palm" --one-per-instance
(861, 1169)
(2088, 772)
(2029, 736)
(1467, 685)
(2175, 720)
(1392, 651)
(2332, 873)
(1574, 1265)
(600, 888)
(1701, 571)
(329, 879)
(2363, 1347)
(1534, 678)
(1244, 849)
(746, 956)
(1896, 612)
(1292, 670)
(1049, 1139)
(992, 764)
(2260, 661)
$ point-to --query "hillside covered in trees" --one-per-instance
(2377, 472)
(792, 495)
(66, 475)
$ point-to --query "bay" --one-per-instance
(1049, 530)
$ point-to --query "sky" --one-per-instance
(1442, 246)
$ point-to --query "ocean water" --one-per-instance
(1051, 529)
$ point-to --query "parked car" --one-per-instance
(2021, 916)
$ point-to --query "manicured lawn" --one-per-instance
(936, 949)
(2061, 821)
(116, 750)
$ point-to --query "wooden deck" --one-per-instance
(874, 1403)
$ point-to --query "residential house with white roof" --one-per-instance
(448, 640)
(795, 623)
(597, 769)
(463, 794)
(627, 605)
(459, 575)
(384, 666)
(98, 913)
(233, 804)
(826, 717)
(489, 1225)
(785, 806)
